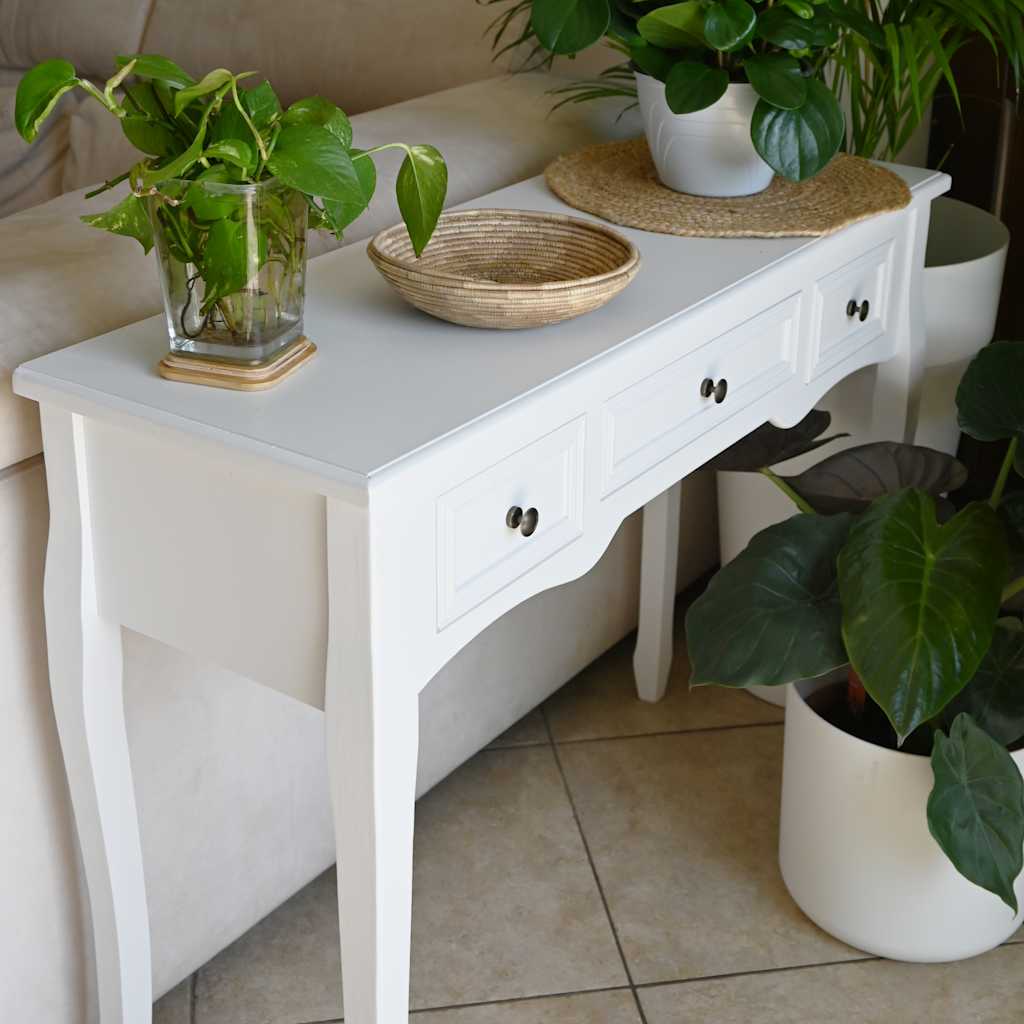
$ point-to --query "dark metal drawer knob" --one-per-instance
(525, 522)
(708, 389)
(861, 309)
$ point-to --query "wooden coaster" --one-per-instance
(219, 373)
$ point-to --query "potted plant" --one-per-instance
(227, 184)
(879, 578)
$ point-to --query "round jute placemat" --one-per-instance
(617, 181)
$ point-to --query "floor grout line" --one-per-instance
(788, 969)
(666, 732)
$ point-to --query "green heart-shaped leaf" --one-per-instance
(772, 615)
(148, 136)
(691, 86)
(920, 602)
(210, 82)
(314, 161)
(652, 60)
(729, 24)
(676, 27)
(990, 398)
(799, 143)
(851, 480)
(769, 444)
(778, 79)
(317, 110)
(338, 214)
(232, 151)
(976, 808)
(568, 26)
(262, 104)
(128, 218)
(782, 27)
(38, 93)
(157, 69)
(421, 188)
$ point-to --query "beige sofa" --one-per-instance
(230, 776)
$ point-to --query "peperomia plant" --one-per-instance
(880, 574)
(197, 136)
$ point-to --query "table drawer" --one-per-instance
(669, 409)
(851, 308)
(478, 552)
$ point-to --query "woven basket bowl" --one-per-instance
(507, 268)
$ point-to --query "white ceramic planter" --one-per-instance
(857, 856)
(708, 153)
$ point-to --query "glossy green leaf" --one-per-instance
(314, 161)
(232, 151)
(207, 205)
(157, 69)
(38, 93)
(772, 614)
(691, 86)
(729, 24)
(920, 602)
(262, 104)
(338, 214)
(568, 26)
(210, 82)
(652, 60)
(849, 16)
(421, 188)
(768, 444)
(317, 110)
(800, 143)
(149, 136)
(851, 480)
(994, 698)
(676, 27)
(778, 79)
(178, 166)
(233, 254)
(976, 808)
(128, 218)
(990, 398)
(781, 27)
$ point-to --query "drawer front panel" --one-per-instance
(478, 554)
(838, 329)
(666, 411)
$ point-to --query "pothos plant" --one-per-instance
(881, 575)
(698, 47)
(197, 135)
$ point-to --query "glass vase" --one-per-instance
(232, 263)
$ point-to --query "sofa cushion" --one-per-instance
(62, 282)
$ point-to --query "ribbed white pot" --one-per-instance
(856, 854)
(708, 153)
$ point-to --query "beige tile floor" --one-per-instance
(604, 862)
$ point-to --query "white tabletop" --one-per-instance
(389, 380)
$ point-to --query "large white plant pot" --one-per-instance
(708, 153)
(856, 853)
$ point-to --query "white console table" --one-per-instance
(341, 537)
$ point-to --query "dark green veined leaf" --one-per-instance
(128, 218)
(848, 16)
(262, 104)
(38, 93)
(691, 86)
(851, 480)
(210, 82)
(990, 398)
(770, 444)
(781, 27)
(232, 151)
(149, 136)
(421, 188)
(568, 26)
(800, 143)
(920, 602)
(314, 161)
(676, 27)
(142, 99)
(178, 166)
(772, 615)
(994, 698)
(338, 214)
(777, 78)
(207, 205)
(317, 110)
(729, 24)
(157, 69)
(976, 808)
(231, 256)
(228, 124)
(623, 27)
(652, 60)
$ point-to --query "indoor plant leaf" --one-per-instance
(990, 400)
(799, 143)
(994, 698)
(781, 27)
(421, 187)
(312, 160)
(339, 213)
(729, 24)
(38, 93)
(691, 86)
(920, 602)
(262, 104)
(568, 26)
(777, 78)
(178, 166)
(232, 151)
(769, 444)
(976, 808)
(129, 218)
(851, 479)
(207, 205)
(149, 136)
(676, 27)
(210, 82)
(157, 69)
(317, 110)
(772, 614)
(652, 60)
